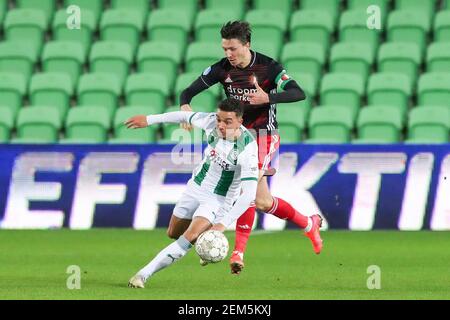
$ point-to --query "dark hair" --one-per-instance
(232, 105)
(237, 30)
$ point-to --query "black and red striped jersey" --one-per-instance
(237, 82)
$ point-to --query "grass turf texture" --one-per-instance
(279, 265)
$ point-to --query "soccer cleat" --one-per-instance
(136, 282)
(203, 262)
(237, 262)
(314, 233)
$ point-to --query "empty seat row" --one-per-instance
(374, 124)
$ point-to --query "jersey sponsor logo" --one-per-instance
(239, 94)
(206, 71)
(214, 157)
(228, 79)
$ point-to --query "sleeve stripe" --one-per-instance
(190, 118)
(201, 77)
(246, 179)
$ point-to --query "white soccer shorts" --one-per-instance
(196, 202)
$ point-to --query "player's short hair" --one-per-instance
(232, 105)
(237, 30)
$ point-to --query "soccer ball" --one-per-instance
(212, 246)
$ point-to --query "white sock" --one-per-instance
(166, 257)
(309, 226)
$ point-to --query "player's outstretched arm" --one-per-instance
(142, 121)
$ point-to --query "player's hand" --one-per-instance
(219, 227)
(259, 97)
(139, 121)
(184, 125)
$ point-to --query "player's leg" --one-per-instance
(175, 251)
(278, 207)
(177, 226)
(179, 223)
(267, 147)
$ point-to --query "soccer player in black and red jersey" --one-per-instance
(253, 79)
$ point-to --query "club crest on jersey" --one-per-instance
(233, 156)
(228, 79)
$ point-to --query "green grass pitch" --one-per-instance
(279, 265)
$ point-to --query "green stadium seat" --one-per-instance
(409, 26)
(12, 90)
(172, 133)
(267, 48)
(342, 89)
(64, 56)
(306, 82)
(238, 6)
(6, 123)
(122, 25)
(353, 28)
(200, 55)
(434, 89)
(94, 6)
(352, 57)
(402, 58)
(426, 6)
(84, 35)
(99, 89)
(209, 22)
(267, 26)
(392, 89)
(38, 124)
(329, 6)
(305, 58)
(438, 57)
(17, 57)
(141, 6)
(429, 125)
(283, 6)
(442, 26)
(169, 25)
(312, 26)
(87, 124)
(161, 58)
(364, 4)
(147, 89)
(46, 6)
(112, 57)
(51, 89)
(188, 7)
(291, 120)
(205, 101)
(309, 86)
(379, 124)
(124, 135)
(27, 26)
(330, 124)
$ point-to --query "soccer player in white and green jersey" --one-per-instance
(222, 187)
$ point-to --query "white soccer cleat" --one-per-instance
(136, 282)
(203, 262)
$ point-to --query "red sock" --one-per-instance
(284, 210)
(243, 229)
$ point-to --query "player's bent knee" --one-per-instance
(263, 204)
(172, 234)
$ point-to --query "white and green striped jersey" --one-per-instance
(225, 163)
